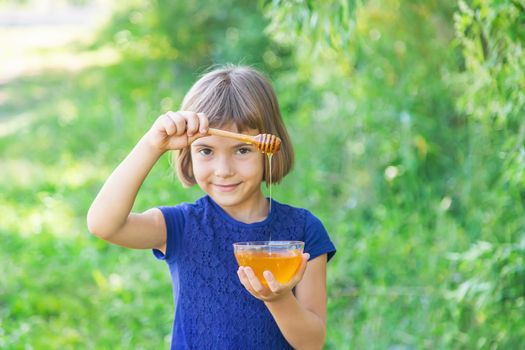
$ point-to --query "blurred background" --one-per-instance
(407, 118)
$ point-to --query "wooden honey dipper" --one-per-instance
(266, 143)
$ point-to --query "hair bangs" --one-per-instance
(224, 104)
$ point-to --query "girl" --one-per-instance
(218, 305)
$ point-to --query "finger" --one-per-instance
(254, 281)
(273, 284)
(242, 275)
(168, 125)
(244, 280)
(180, 122)
(194, 137)
(192, 123)
(203, 123)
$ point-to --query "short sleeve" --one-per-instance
(317, 242)
(174, 218)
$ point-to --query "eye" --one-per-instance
(205, 152)
(244, 150)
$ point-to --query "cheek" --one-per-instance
(254, 168)
(200, 170)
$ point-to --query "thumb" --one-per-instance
(196, 136)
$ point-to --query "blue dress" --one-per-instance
(213, 310)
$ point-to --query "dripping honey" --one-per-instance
(270, 169)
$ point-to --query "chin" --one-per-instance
(225, 202)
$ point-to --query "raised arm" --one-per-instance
(110, 216)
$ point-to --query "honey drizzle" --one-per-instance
(270, 169)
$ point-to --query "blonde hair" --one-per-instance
(241, 96)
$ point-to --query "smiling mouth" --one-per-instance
(226, 188)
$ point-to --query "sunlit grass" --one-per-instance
(21, 173)
(47, 214)
(51, 49)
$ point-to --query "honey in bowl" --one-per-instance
(281, 258)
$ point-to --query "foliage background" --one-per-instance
(416, 112)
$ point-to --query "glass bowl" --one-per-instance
(281, 258)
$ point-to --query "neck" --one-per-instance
(254, 210)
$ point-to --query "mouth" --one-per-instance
(226, 187)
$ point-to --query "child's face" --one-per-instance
(229, 171)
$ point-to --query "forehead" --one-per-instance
(233, 127)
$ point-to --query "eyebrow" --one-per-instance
(197, 144)
(242, 144)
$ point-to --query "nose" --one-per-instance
(223, 168)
